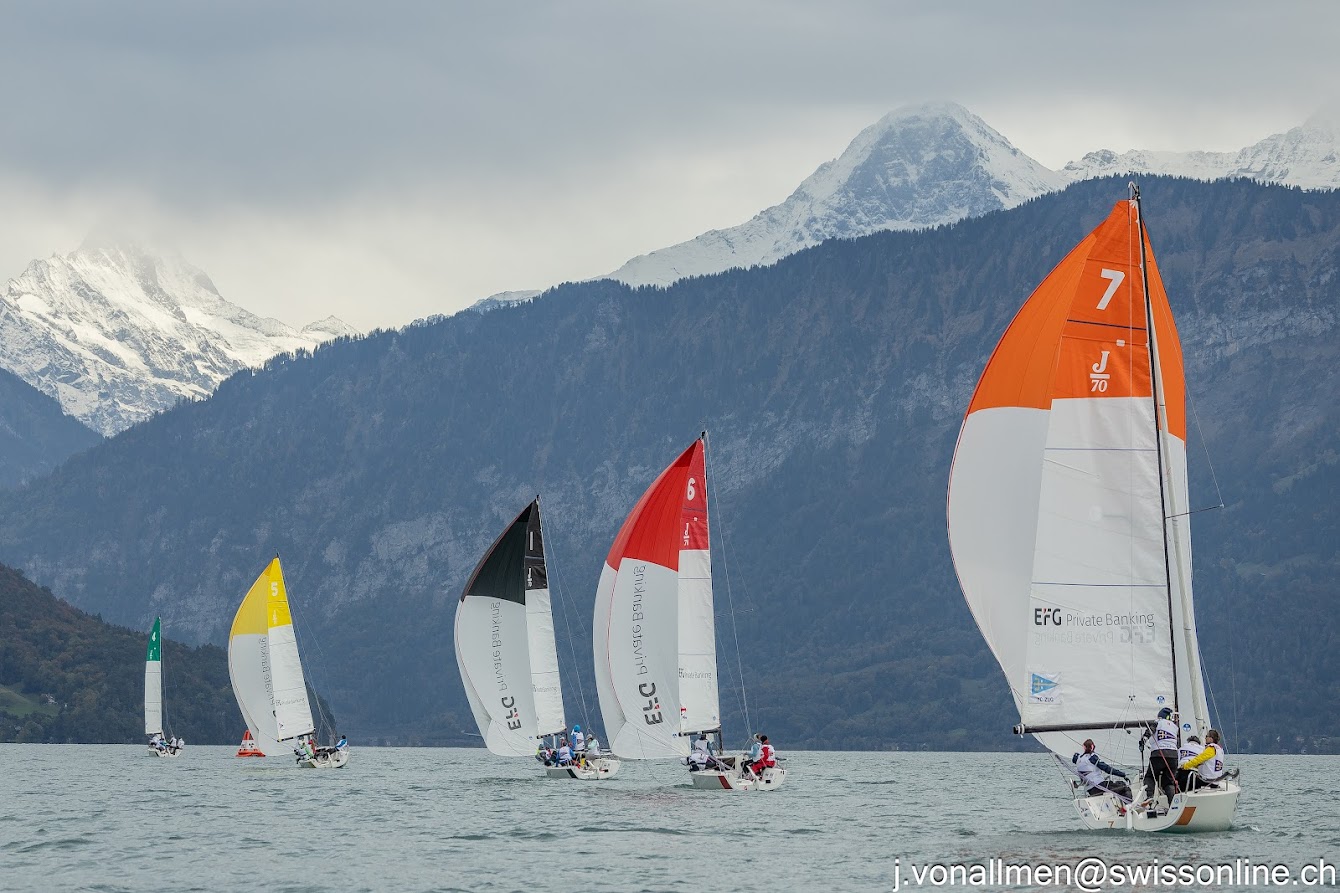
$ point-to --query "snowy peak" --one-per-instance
(1307, 156)
(115, 333)
(927, 164)
(917, 167)
(328, 329)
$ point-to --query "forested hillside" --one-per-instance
(833, 384)
(66, 676)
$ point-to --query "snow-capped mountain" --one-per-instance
(116, 334)
(1307, 156)
(917, 167)
(938, 163)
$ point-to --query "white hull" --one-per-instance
(596, 769)
(715, 780)
(1206, 809)
(163, 753)
(332, 760)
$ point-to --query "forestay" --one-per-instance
(653, 632)
(1064, 474)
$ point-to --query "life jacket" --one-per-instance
(1165, 735)
(768, 756)
(1213, 768)
(1190, 750)
(1087, 768)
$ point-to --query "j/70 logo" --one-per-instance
(1044, 616)
(651, 713)
(513, 715)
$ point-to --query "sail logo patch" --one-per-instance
(1044, 688)
(513, 716)
(651, 713)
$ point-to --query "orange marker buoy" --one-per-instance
(248, 746)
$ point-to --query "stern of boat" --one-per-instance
(1191, 812)
(716, 780)
(335, 759)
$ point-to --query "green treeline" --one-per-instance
(68, 677)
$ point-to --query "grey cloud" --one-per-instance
(548, 130)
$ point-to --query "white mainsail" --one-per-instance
(1068, 499)
(653, 631)
(505, 647)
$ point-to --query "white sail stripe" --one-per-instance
(477, 709)
(611, 711)
(493, 655)
(992, 520)
(153, 697)
(293, 713)
(546, 683)
(248, 659)
(699, 698)
(641, 648)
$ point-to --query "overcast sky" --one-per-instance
(383, 162)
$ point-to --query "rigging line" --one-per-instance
(321, 661)
(1205, 448)
(1208, 508)
(567, 628)
(1209, 686)
(730, 599)
(162, 685)
(1233, 686)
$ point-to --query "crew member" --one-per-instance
(1211, 761)
(1162, 771)
(1095, 773)
(1190, 749)
(701, 755)
(767, 757)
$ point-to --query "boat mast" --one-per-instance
(1158, 430)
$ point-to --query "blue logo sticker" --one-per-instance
(1039, 684)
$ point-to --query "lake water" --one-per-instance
(114, 818)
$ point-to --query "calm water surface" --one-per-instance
(114, 818)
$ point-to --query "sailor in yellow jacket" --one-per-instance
(1210, 763)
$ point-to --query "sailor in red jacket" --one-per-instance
(767, 759)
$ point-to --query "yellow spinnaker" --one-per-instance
(265, 605)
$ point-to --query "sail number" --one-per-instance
(692, 491)
(1115, 277)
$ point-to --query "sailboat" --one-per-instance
(267, 677)
(506, 653)
(153, 694)
(654, 630)
(1070, 525)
